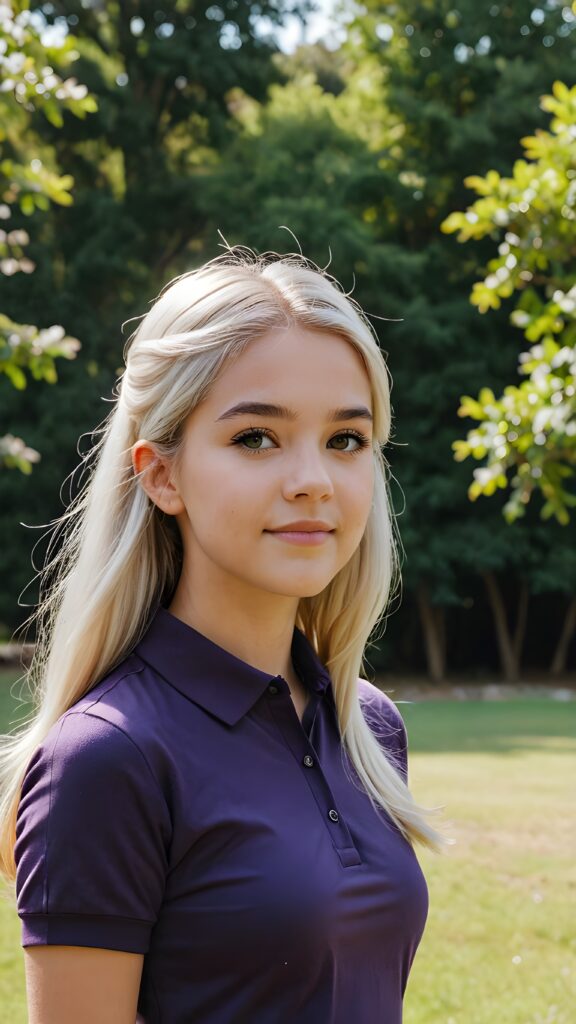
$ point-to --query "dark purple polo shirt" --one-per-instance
(181, 810)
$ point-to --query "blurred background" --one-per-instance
(392, 140)
(426, 153)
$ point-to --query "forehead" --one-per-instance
(297, 366)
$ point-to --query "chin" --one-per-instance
(300, 589)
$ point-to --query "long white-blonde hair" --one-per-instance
(120, 556)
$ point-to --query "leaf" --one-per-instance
(480, 185)
(27, 205)
(15, 374)
(561, 91)
(487, 396)
(461, 450)
(53, 113)
(483, 297)
(454, 222)
(470, 407)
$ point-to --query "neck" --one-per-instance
(257, 628)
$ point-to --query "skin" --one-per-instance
(73, 984)
(240, 586)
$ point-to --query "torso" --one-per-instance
(266, 886)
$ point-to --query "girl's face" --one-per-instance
(243, 474)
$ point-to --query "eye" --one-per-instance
(251, 440)
(260, 432)
(361, 441)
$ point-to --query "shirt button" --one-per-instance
(333, 815)
(308, 761)
(272, 688)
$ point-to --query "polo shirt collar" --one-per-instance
(213, 677)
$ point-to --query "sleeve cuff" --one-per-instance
(125, 934)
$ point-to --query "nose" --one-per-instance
(308, 474)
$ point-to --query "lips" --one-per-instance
(303, 533)
(303, 526)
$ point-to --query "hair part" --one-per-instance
(120, 556)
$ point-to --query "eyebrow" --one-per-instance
(282, 412)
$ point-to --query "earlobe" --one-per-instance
(154, 477)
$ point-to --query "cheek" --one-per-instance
(357, 497)
(222, 508)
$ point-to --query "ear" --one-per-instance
(154, 474)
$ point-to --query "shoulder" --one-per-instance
(379, 709)
(94, 824)
(100, 744)
(93, 835)
(85, 769)
(90, 809)
(119, 718)
(385, 721)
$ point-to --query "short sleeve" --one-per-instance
(386, 722)
(92, 838)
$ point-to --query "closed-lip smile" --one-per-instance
(304, 526)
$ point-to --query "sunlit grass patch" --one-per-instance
(500, 941)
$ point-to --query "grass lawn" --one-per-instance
(500, 941)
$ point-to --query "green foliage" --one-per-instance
(362, 153)
(297, 160)
(162, 82)
(28, 84)
(363, 166)
(531, 428)
(25, 347)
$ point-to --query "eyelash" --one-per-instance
(261, 432)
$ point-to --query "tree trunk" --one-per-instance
(568, 626)
(433, 629)
(520, 630)
(509, 659)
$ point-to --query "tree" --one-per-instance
(363, 164)
(28, 84)
(362, 153)
(162, 82)
(461, 85)
(531, 428)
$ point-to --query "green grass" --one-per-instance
(11, 710)
(500, 941)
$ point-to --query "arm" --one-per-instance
(92, 837)
(68, 984)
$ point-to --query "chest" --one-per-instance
(274, 843)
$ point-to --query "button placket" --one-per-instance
(294, 736)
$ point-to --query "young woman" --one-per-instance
(208, 818)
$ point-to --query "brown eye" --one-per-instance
(340, 442)
(362, 440)
(247, 435)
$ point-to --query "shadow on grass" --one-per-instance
(475, 726)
